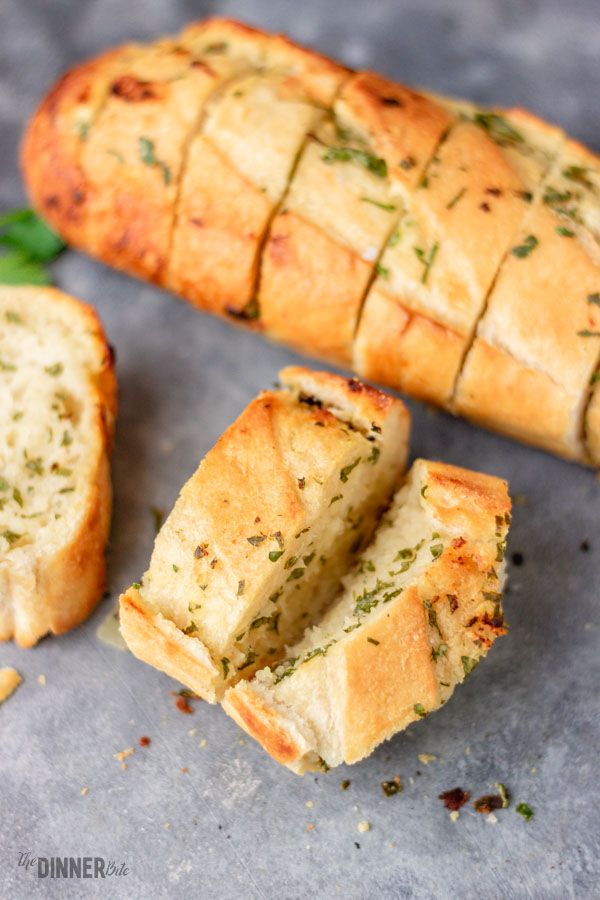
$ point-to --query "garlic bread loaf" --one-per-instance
(261, 534)
(437, 247)
(420, 608)
(57, 418)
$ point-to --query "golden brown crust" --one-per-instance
(53, 143)
(502, 394)
(61, 590)
(157, 641)
(407, 351)
(221, 218)
(320, 320)
(592, 426)
(404, 126)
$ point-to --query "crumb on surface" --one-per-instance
(310, 804)
(454, 798)
(203, 742)
(310, 826)
(123, 754)
(41, 680)
(426, 758)
(363, 826)
(454, 815)
(9, 682)
(84, 791)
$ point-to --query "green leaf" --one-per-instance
(525, 810)
(18, 268)
(524, 249)
(374, 164)
(24, 231)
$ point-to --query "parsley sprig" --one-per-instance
(28, 246)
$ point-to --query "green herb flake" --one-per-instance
(564, 232)
(382, 271)
(374, 164)
(393, 238)
(225, 663)
(54, 370)
(524, 249)
(175, 568)
(578, 174)
(335, 499)
(4, 485)
(420, 710)
(136, 585)
(345, 472)
(274, 555)
(585, 332)
(468, 664)
(386, 207)
(525, 810)
(251, 657)
(149, 158)
(13, 317)
(373, 641)
(374, 456)
(456, 199)
(594, 298)
(498, 128)
(285, 669)
(34, 465)
(437, 550)
(256, 539)
(11, 536)
(17, 497)
(295, 574)
(426, 259)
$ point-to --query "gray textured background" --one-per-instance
(237, 822)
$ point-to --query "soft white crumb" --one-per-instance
(455, 815)
(192, 732)
(41, 680)
(491, 819)
(123, 754)
(363, 826)
(310, 804)
(426, 758)
(84, 791)
(203, 742)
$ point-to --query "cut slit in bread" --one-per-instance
(419, 610)
(57, 409)
(262, 533)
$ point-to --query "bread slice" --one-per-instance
(57, 414)
(261, 534)
(420, 609)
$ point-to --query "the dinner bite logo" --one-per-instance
(70, 866)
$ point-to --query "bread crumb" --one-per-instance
(391, 844)
(242, 741)
(534, 770)
(363, 826)
(123, 754)
(467, 751)
(426, 758)
(455, 815)
(124, 766)
(310, 804)
(41, 680)
(167, 825)
(491, 819)
(203, 742)
(84, 791)
(9, 682)
(192, 732)
(310, 826)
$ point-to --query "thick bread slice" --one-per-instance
(538, 344)
(57, 411)
(420, 609)
(340, 209)
(261, 534)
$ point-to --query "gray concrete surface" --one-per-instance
(235, 824)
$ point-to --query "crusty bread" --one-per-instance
(437, 247)
(57, 420)
(420, 609)
(261, 534)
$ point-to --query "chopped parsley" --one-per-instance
(564, 232)
(468, 664)
(274, 555)
(54, 370)
(578, 174)
(524, 249)
(345, 472)
(504, 796)
(437, 550)
(420, 710)
(456, 198)
(498, 128)
(386, 207)
(382, 271)
(587, 333)
(149, 158)
(11, 536)
(225, 663)
(256, 539)
(295, 574)
(374, 164)
(426, 259)
(525, 810)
